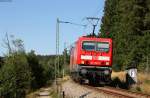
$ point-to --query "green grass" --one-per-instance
(54, 94)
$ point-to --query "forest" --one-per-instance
(22, 73)
(127, 22)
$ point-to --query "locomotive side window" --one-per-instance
(102, 46)
(87, 45)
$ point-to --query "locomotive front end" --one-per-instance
(95, 60)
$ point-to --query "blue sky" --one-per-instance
(34, 21)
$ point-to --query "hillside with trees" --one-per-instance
(127, 22)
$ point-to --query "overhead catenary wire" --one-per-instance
(68, 22)
(96, 13)
(57, 42)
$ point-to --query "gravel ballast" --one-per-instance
(74, 90)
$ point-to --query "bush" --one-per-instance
(15, 76)
(37, 71)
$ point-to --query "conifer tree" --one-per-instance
(127, 22)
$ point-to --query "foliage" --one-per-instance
(15, 76)
(37, 71)
(18, 45)
(127, 23)
(22, 72)
(47, 63)
(66, 59)
(1, 61)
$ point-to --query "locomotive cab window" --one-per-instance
(102, 46)
(96, 46)
(87, 45)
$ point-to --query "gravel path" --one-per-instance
(74, 90)
(44, 93)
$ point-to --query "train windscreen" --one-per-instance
(102, 46)
(87, 45)
(98, 46)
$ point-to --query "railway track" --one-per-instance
(75, 90)
(118, 93)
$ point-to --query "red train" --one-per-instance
(91, 59)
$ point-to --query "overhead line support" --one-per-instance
(91, 20)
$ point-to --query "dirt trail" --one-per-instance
(42, 93)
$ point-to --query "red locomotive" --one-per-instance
(91, 59)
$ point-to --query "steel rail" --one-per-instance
(118, 93)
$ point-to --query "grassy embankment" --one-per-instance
(143, 84)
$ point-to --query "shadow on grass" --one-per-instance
(122, 84)
(117, 83)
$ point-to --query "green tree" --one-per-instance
(126, 21)
(66, 59)
(37, 70)
(15, 76)
(18, 45)
(1, 62)
(48, 64)
(110, 18)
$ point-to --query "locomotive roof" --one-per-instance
(94, 38)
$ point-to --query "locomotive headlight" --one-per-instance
(106, 72)
(82, 62)
(107, 63)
